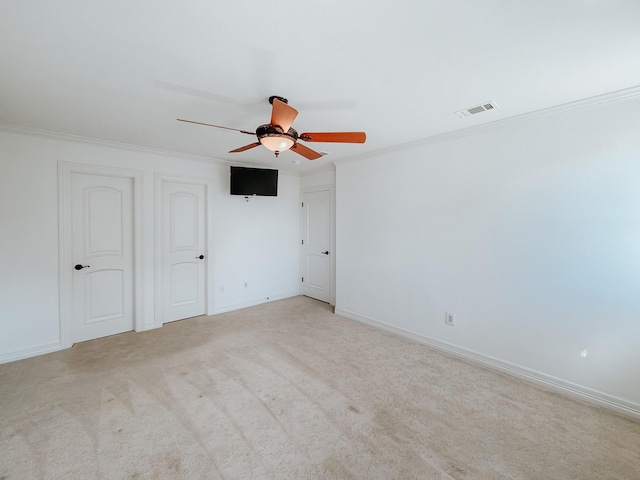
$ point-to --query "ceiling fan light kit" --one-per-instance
(278, 135)
(275, 139)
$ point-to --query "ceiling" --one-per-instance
(124, 71)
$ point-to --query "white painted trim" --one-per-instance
(327, 168)
(34, 132)
(253, 303)
(108, 143)
(582, 104)
(332, 236)
(549, 382)
(65, 253)
(632, 93)
(30, 352)
(208, 184)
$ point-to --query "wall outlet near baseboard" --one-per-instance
(449, 318)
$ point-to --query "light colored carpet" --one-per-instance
(287, 390)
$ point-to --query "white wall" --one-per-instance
(529, 233)
(315, 179)
(254, 242)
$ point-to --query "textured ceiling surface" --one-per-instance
(124, 71)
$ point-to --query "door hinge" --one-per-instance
(302, 204)
(302, 279)
(303, 241)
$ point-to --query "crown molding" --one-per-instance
(150, 150)
(597, 101)
(108, 143)
(327, 168)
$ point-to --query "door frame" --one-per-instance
(159, 179)
(65, 244)
(332, 236)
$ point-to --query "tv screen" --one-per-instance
(254, 181)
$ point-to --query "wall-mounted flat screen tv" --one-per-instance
(254, 181)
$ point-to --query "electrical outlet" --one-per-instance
(450, 319)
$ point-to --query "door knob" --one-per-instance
(326, 253)
(80, 267)
(201, 257)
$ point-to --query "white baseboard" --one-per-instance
(44, 349)
(147, 327)
(30, 352)
(619, 405)
(253, 303)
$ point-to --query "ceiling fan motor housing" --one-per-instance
(275, 131)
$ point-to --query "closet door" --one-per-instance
(316, 244)
(102, 246)
(183, 257)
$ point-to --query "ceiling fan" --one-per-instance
(278, 135)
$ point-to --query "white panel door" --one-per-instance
(316, 242)
(102, 245)
(183, 258)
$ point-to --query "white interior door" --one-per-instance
(183, 257)
(102, 246)
(316, 243)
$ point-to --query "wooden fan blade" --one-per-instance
(246, 147)
(336, 137)
(305, 151)
(282, 114)
(217, 126)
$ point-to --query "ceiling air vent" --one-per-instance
(477, 109)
